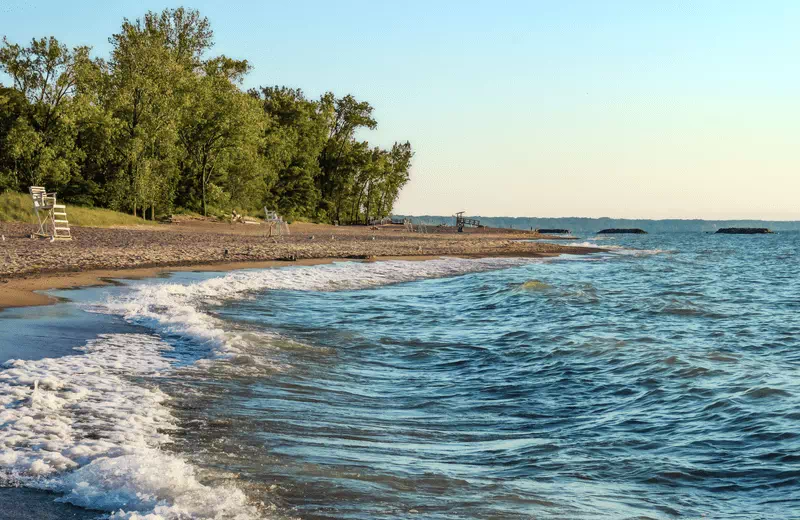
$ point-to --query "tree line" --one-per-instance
(162, 126)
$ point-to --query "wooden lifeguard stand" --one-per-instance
(51, 216)
(461, 222)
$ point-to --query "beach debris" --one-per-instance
(225, 253)
(311, 237)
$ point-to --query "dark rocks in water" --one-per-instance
(744, 231)
(553, 231)
(634, 231)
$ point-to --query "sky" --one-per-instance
(626, 109)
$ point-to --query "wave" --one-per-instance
(178, 309)
(86, 427)
(78, 425)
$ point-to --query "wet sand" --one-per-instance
(96, 256)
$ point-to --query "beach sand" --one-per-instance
(98, 255)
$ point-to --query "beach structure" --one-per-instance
(275, 222)
(622, 231)
(51, 216)
(461, 222)
(744, 231)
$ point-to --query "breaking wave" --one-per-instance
(181, 309)
(78, 425)
(88, 427)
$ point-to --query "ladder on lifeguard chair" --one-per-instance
(51, 216)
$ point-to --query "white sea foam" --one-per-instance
(177, 309)
(83, 426)
(78, 425)
(596, 246)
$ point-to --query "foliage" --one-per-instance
(17, 207)
(163, 124)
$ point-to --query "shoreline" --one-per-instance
(28, 291)
(98, 256)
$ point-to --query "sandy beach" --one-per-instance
(96, 255)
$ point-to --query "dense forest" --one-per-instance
(163, 125)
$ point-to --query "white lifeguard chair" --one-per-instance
(51, 216)
(275, 222)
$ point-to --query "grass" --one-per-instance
(17, 207)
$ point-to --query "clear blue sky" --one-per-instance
(545, 108)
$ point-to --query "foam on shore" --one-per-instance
(178, 309)
(79, 426)
(93, 426)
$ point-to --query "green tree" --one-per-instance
(162, 123)
(341, 155)
(220, 126)
(147, 91)
(41, 141)
(295, 135)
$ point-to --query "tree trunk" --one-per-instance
(203, 175)
(369, 201)
(205, 213)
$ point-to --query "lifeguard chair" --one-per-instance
(51, 216)
(275, 222)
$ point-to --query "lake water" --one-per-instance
(659, 380)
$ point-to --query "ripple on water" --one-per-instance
(654, 386)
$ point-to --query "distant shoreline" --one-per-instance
(590, 225)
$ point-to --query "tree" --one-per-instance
(146, 94)
(13, 107)
(295, 136)
(218, 120)
(346, 116)
(41, 141)
(162, 123)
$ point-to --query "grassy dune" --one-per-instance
(17, 207)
